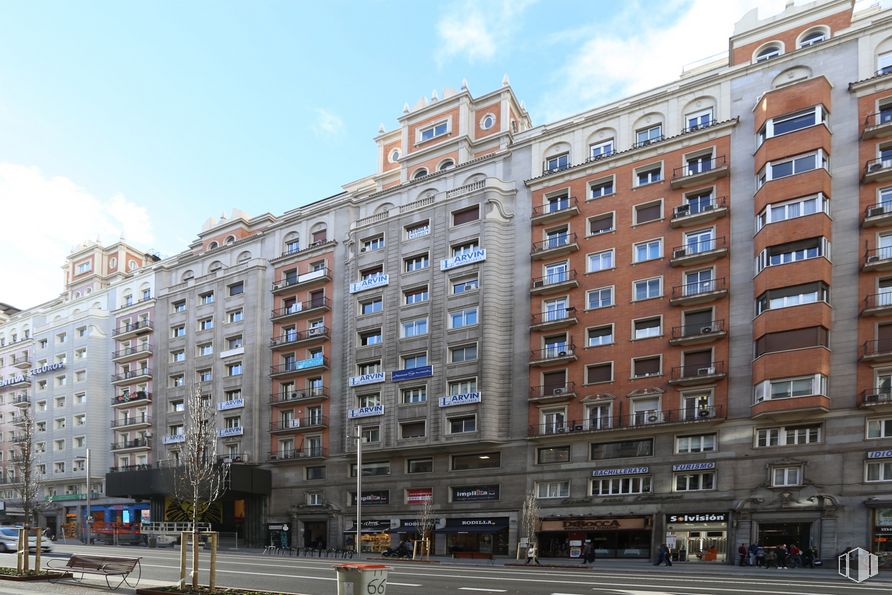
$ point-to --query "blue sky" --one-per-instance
(146, 118)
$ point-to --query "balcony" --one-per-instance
(698, 173)
(296, 337)
(132, 353)
(133, 329)
(131, 376)
(311, 422)
(21, 361)
(139, 397)
(140, 443)
(304, 395)
(552, 394)
(304, 365)
(19, 438)
(693, 334)
(878, 259)
(793, 409)
(553, 319)
(650, 141)
(638, 419)
(699, 213)
(295, 454)
(131, 303)
(877, 304)
(877, 125)
(556, 245)
(554, 282)
(137, 467)
(557, 210)
(311, 306)
(22, 400)
(302, 281)
(697, 374)
(876, 398)
(551, 356)
(877, 215)
(699, 252)
(311, 248)
(877, 350)
(132, 421)
(699, 292)
(18, 420)
(877, 170)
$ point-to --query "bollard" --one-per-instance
(362, 579)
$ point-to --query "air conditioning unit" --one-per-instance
(237, 460)
(875, 398)
(295, 423)
(273, 457)
(558, 391)
(875, 167)
(682, 210)
(703, 413)
(760, 399)
(653, 418)
(679, 253)
(562, 354)
(873, 258)
(539, 283)
(291, 396)
(561, 430)
(314, 332)
(876, 211)
(705, 330)
(707, 207)
(706, 371)
(578, 428)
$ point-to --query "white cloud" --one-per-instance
(632, 54)
(327, 123)
(477, 30)
(44, 218)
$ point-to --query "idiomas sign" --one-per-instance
(463, 258)
(370, 411)
(34, 372)
(370, 282)
(371, 378)
(460, 399)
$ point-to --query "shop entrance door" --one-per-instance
(705, 546)
(774, 534)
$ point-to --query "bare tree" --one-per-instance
(199, 479)
(28, 480)
(426, 525)
(531, 515)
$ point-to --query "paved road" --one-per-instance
(313, 576)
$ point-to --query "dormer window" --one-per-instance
(768, 52)
(813, 37)
(557, 162)
(447, 164)
(213, 245)
(419, 174)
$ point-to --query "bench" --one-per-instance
(106, 566)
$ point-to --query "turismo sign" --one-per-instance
(459, 399)
(463, 258)
(34, 372)
(694, 466)
(370, 282)
(370, 411)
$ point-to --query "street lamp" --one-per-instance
(357, 433)
(89, 519)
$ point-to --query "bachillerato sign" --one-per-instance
(594, 524)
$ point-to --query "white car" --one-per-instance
(9, 538)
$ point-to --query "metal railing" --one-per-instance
(309, 276)
(877, 254)
(699, 288)
(133, 326)
(302, 394)
(554, 242)
(877, 347)
(698, 167)
(134, 443)
(692, 372)
(699, 207)
(556, 316)
(133, 350)
(299, 423)
(877, 165)
(649, 141)
(688, 331)
(699, 247)
(565, 203)
(297, 453)
(542, 391)
(553, 352)
(129, 374)
(294, 336)
(300, 366)
(131, 420)
(554, 279)
(301, 307)
(139, 395)
(625, 421)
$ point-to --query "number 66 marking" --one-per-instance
(376, 586)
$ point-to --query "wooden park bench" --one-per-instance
(107, 566)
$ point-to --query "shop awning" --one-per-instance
(475, 525)
(370, 527)
(411, 525)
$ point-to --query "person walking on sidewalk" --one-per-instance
(588, 554)
(664, 555)
(533, 554)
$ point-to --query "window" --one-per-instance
(438, 129)
(463, 353)
(463, 387)
(292, 246)
(370, 337)
(417, 230)
(596, 373)
(205, 349)
(372, 367)
(375, 243)
(692, 482)
(786, 476)
(488, 122)
(650, 174)
(599, 298)
(788, 435)
(697, 120)
(465, 248)
(602, 335)
(557, 162)
(600, 224)
(178, 356)
(206, 324)
(177, 380)
(234, 342)
(792, 122)
(237, 288)
(178, 331)
(371, 306)
(647, 250)
(811, 38)
(600, 188)
(416, 360)
(879, 428)
(552, 489)
(206, 298)
(315, 473)
(600, 261)
(414, 328)
(234, 315)
(425, 465)
(768, 52)
(695, 444)
(624, 449)
(646, 366)
(601, 149)
(204, 375)
(80, 375)
(791, 209)
(787, 388)
(416, 295)
(466, 215)
(878, 471)
(463, 424)
(646, 136)
(463, 318)
(783, 168)
(412, 429)
(556, 272)
(234, 369)
(415, 394)
(60, 338)
(476, 461)
(780, 254)
(646, 213)
(647, 328)
(465, 284)
(646, 289)
(416, 263)
(553, 454)
(616, 486)
(801, 338)
(419, 173)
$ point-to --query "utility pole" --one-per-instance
(358, 538)
(89, 512)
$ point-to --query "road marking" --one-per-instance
(403, 584)
(486, 590)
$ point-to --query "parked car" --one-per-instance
(9, 537)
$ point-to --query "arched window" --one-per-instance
(420, 174)
(447, 164)
(772, 50)
(812, 37)
(213, 245)
(230, 239)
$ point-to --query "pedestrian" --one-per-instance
(751, 555)
(533, 554)
(760, 555)
(795, 556)
(781, 553)
(588, 553)
(741, 553)
(664, 554)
